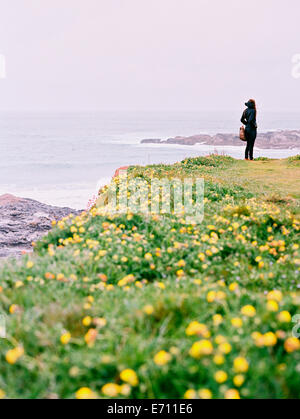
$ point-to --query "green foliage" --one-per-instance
(214, 160)
(294, 159)
(105, 293)
(263, 159)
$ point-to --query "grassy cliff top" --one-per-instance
(128, 305)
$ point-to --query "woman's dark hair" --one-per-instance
(252, 101)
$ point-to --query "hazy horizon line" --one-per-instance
(77, 111)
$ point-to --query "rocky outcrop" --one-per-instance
(23, 221)
(268, 140)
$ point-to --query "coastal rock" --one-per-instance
(23, 221)
(152, 141)
(269, 140)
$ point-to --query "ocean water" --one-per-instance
(63, 159)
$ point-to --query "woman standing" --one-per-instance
(249, 120)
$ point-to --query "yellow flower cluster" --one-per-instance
(162, 358)
(13, 355)
(126, 280)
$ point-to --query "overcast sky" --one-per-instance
(148, 54)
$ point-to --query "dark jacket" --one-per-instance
(249, 117)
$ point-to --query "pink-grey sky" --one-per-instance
(182, 55)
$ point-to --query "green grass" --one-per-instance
(175, 274)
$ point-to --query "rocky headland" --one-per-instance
(269, 140)
(23, 221)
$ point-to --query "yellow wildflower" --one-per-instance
(258, 338)
(196, 328)
(269, 339)
(65, 338)
(181, 263)
(225, 348)
(275, 295)
(248, 311)
(233, 286)
(126, 280)
(237, 322)
(125, 390)
(180, 273)
(201, 256)
(148, 309)
(91, 337)
(190, 394)
(219, 359)
(13, 355)
(203, 347)
(238, 380)
(87, 321)
(130, 377)
(292, 345)
(219, 339)
(85, 393)
(211, 296)
(240, 364)
(13, 308)
(232, 394)
(162, 358)
(111, 390)
(221, 377)
(217, 319)
(272, 305)
(284, 317)
(205, 394)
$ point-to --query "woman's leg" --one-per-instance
(252, 142)
(247, 151)
(251, 147)
(248, 137)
